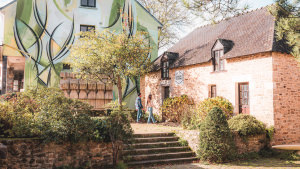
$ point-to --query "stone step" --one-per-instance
(147, 157)
(155, 139)
(163, 161)
(152, 145)
(146, 135)
(155, 150)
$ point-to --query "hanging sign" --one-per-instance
(179, 78)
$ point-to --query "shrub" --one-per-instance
(216, 141)
(175, 108)
(119, 130)
(46, 113)
(208, 104)
(246, 125)
(101, 133)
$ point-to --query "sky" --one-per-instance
(4, 2)
(253, 4)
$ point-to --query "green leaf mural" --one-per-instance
(43, 30)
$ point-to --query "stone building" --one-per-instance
(239, 59)
(35, 36)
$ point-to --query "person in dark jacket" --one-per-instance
(139, 107)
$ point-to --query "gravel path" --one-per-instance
(267, 163)
(152, 128)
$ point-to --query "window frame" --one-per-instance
(87, 27)
(243, 102)
(165, 70)
(94, 6)
(218, 60)
(213, 94)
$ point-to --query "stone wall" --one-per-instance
(192, 137)
(34, 154)
(286, 73)
(244, 145)
(255, 69)
(249, 144)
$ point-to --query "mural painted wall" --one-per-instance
(1, 28)
(42, 30)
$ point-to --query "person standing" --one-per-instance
(139, 107)
(150, 109)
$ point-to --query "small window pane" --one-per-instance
(84, 2)
(91, 3)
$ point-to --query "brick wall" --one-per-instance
(255, 69)
(286, 99)
(34, 154)
(249, 144)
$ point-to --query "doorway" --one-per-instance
(244, 98)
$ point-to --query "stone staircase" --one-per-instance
(157, 149)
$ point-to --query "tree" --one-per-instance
(216, 141)
(109, 57)
(287, 15)
(172, 14)
(212, 10)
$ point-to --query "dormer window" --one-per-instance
(88, 3)
(165, 70)
(218, 61)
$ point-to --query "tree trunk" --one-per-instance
(119, 85)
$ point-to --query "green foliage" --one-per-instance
(7, 96)
(47, 114)
(246, 125)
(270, 133)
(175, 108)
(183, 142)
(121, 165)
(216, 141)
(194, 116)
(101, 133)
(119, 129)
(287, 16)
(267, 152)
(110, 56)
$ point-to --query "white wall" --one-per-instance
(1, 28)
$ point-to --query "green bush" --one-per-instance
(246, 125)
(208, 104)
(175, 108)
(119, 130)
(46, 113)
(216, 141)
(194, 115)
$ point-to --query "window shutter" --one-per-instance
(209, 91)
(236, 106)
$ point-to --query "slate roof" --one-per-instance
(249, 33)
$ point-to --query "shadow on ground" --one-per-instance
(266, 163)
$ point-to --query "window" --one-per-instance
(218, 60)
(85, 28)
(213, 91)
(165, 70)
(243, 98)
(66, 67)
(88, 3)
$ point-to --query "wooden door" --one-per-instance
(244, 98)
(166, 92)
